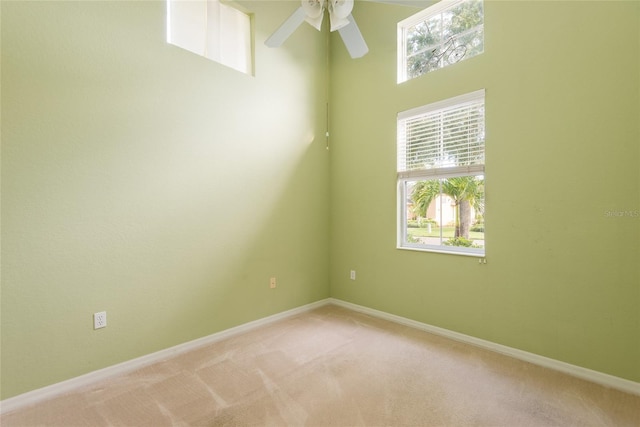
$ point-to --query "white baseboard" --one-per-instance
(48, 392)
(41, 394)
(567, 368)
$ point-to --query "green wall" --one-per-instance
(146, 181)
(563, 143)
(166, 189)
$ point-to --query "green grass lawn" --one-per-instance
(447, 232)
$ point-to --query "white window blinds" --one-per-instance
(442, 139)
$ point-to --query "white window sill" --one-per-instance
(443, 251)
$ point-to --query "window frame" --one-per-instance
(406, 175)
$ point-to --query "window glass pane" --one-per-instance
(445, 214)
(447, 137)
(441, 38)
(466, 15)
(187, 25)
(473, 41)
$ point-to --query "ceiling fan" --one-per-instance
(312, 11)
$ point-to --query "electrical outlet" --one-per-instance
(272, 282)
(100, 320)
(353, 275)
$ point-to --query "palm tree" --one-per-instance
(466, 192)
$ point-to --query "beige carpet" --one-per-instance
(335, 367)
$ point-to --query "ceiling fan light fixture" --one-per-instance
(314, 9)
(340, 8)
(315, 22)
(339, 11)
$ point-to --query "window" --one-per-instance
(441, 176)
(211, 29)
(438, 36)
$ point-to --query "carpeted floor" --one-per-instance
(336, 367)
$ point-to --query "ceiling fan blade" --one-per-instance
(353, 40)
(287, 28)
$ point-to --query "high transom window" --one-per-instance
(211, 29)
(438, 36)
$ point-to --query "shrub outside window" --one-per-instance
(441, 183)
(438, 36)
